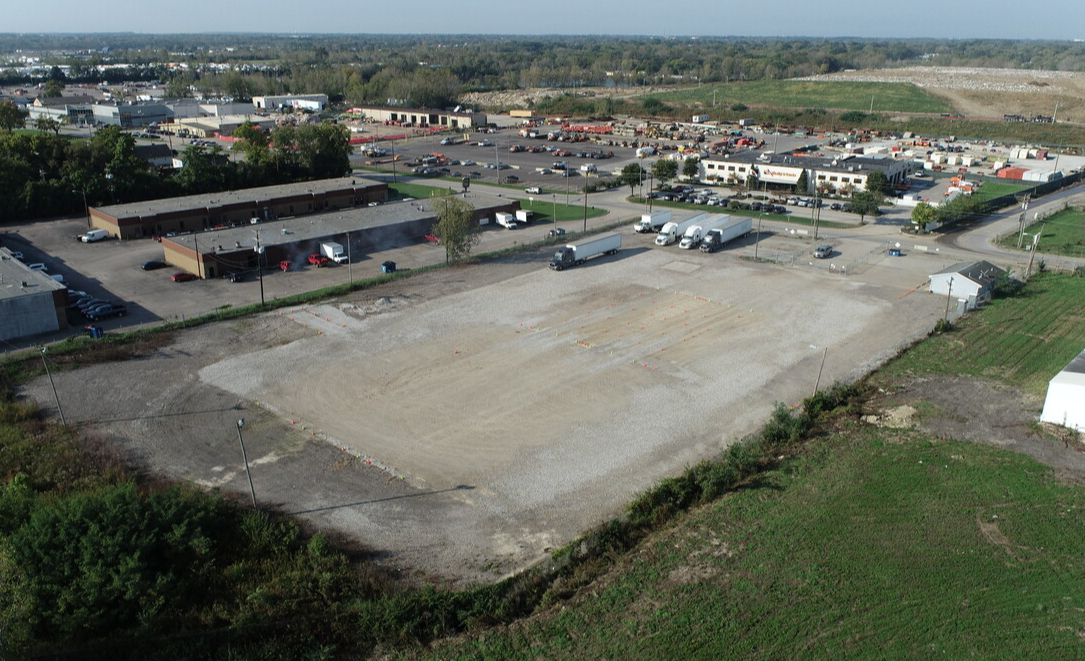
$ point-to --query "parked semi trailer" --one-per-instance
(672, 231)
(732, 229)
(574, 254)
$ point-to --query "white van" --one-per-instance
(94, 235)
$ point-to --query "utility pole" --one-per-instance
(53, 386)
(949, 293)
(1021, 221)
(585, 207)
(245, 458)
(1035, 247)
(260, 264)
(757, 237)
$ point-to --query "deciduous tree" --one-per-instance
(633, 175)
(456, 226)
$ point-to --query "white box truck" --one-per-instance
(571, 255)
(334, 251)
(524, 215)
(671, 232)
(94, 235)
(734, 227)
(651, 222)
(506, 220)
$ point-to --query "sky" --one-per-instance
(995, 19)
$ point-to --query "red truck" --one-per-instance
(318, 260)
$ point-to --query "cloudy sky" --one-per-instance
(1000, 19)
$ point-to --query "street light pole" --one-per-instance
(585, 207)
(245, 458)
(53, 386)
(260, 265)
(757, 237)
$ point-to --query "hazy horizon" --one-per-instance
(1060, 20)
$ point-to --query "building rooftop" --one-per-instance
(843, 162)
(321, 225)
(981, 272)
(1077, 365)
(262, 194)
(14, 273)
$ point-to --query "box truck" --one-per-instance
(734, 227)
(506, 220)
(334, 251)
(671, 232)
(651, 222)
(574, 254)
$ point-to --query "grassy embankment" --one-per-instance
(870, 543)
(1062, 233)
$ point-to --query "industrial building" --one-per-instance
(970, 283)
(214, 253)
(31, 303)
(201, 212)
(83, 110)
(424, 118)
(846, 172)
(1065, 395)
(310, 102)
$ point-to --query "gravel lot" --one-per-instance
(463, 423)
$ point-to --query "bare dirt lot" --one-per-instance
(980, 92)
(464, 422)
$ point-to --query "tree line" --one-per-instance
(43, 174)
(434, 70)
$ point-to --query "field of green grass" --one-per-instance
(1023, 340)
(887, 97)
(1061, 234)
(992, 189)
(876, 544)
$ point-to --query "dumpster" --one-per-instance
(93, 332)
(388, 267)
(894, 252)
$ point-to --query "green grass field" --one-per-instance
(992, 189)
(875, 545)
(1061, 234)
(887, 97)
(1024, 340)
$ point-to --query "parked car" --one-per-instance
(106, 311)
(17, 254)
(181, 276)
(232, 277)
(152, 265)
(318, 260)
(38, 266)
(823, 252)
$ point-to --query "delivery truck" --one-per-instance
(574, 254)
(735, 227)
(651, 222)
(506, 220)
(334, 251)
(672, 231)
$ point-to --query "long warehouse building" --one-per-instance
(156, 218)
(215, 253)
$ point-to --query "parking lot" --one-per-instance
(467, 421)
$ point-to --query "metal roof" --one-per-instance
(14, 273)
(981, 272)
(247, 195)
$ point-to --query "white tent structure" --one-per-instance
(1065, 403)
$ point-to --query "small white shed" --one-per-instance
(1065, 403)
(968, 281)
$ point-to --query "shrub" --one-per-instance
(830, 399)
(783, 428)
